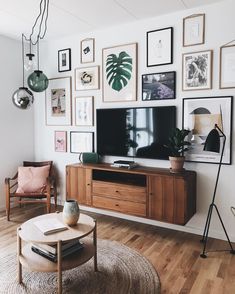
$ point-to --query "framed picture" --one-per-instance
(227, 67)
(194, 30)
(64, 60)
(81, 142)
(58, 102)
(158, 86)
(120, 73)
(60, 141)
(200, 116)
(87, 78)
(160, 47)
(197, 70)
(88, 50)
(84, 111)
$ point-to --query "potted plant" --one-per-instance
(177, 146)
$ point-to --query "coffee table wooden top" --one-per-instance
(30, 233)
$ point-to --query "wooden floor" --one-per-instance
(175, 255)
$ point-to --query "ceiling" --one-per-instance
(68, 17)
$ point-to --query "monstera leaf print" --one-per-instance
(118, 70)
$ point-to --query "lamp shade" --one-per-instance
(38, 81)
(212, 142)
(23, 98)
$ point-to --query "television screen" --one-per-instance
(137, 132)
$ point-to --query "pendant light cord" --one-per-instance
(38, 54)
(23, 56)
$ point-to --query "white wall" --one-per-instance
(16, 125)
(220, 24)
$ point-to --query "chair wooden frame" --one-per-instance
(41, 197)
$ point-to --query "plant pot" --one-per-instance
(177, 163)
(71, 212)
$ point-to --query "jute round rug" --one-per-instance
(120, 271)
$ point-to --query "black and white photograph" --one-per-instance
(87, 50)
(197, 70)
(64, 60)
(158, 86)
(160, 47)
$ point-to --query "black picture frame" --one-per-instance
(199, 106)
(159, 86)
(74, 144)
(159, 47)
(64, 60)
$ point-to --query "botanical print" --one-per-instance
(158, 86)
(200, 117)
(119, 73)
(58, 106)
(197, 70)
(60, 141)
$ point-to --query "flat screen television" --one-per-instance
(137, 132)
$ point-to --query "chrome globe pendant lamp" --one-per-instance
(23, 97)
(37, 80)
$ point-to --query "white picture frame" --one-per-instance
(120, 84)
(58, 102)
(87, 50)
(81, 142)
(87, 78)
(197, 70)
(227, 67)
(84, 111)
(194, 30)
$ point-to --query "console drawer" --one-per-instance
(119, 191)
(123, 206)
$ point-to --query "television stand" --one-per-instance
(153, 193)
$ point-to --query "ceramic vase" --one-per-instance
(71, 212)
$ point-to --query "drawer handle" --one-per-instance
(116, 204)
(117, 191)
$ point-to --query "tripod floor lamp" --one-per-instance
(213, 144)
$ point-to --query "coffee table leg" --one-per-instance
(59, 263)
(95, 245)
(19, 265)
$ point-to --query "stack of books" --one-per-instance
(50, 251)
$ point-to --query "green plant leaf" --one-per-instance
(118, 70)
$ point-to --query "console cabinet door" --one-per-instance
(78, 184)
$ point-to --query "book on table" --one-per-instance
(50, 251)
(50, 226)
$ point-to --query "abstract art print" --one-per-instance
(158, 86)
(120, 73)
(200, 116)
(84, 111)
(197, 70)
(160, 47)
(81, 142)
(60, 141)
(58, 101)
(87, 78)
(194, 30)
(64, 60)
(88, 50)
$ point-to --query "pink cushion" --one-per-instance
(32, 179)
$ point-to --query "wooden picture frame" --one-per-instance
(158, 86)
(60, 139)
(81, 142)
(58, 102)
(120, 83)
(200, 116)
(194, 30)
(87, 47)
(162, 41)
(87, 78)
(84, 109)
(227, 67)
(197, 70)
(64, 60)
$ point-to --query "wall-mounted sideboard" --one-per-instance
(153, 193)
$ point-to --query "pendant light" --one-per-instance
(38, 81)
(23, 97)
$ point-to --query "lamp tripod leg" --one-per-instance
(206, 231)
(206, 225)
(232, 251)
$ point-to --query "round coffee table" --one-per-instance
(29, 233)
